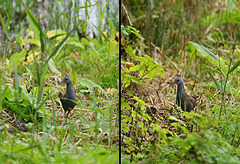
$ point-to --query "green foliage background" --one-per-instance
(199, 41)
(34, 59)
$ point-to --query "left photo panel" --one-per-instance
(59, 91)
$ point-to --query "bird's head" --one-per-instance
(66, 80)
(177, 81)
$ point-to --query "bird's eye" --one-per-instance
(177, 79)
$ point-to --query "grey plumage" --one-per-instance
(186, 102)
(67, 104)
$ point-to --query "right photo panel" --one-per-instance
(180, 81)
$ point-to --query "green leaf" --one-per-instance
(56, 34)
(53, 67)
(84, 7)
(217, 61)
(175, 119)
(59, 46)
(102, 34)
(141, 102)
(75, 42)
(204, 52)
(124, 104)
(134, 114)
(88, 83)
(234, 67)
(124, 127)
(33, 41)
(36, 26)
(216, 83)
(6, 30)
(16, 59)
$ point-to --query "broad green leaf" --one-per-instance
(204, 52)
(16, 59)
(56, 34)
(141, 102)
(85, 41)
(33, 41)
(217, 61)
(75, 42)
(134, 114)
(53, 67)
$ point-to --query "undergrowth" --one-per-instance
(154, 130)
(32, 125)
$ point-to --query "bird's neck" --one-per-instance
(180, 90)
(69, 89)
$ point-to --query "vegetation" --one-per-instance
(199, 41)
(35, 58)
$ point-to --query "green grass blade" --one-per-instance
(202, 50)
(105, 37)
(84, 7)
(216, 83)
(37, 25)
(60, 45)
(234, 67)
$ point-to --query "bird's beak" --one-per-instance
(62, 82)
(172, 83)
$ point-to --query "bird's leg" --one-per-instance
(66, 116)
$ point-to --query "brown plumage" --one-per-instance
(185, 101)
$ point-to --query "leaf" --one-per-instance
(75, 42)
(135, 114)
(84, 7)
(124, 127)
(88, 83)
(102, 33)
(56, 34)
(59, 46)
(216, 83)
(30, 57)
(219, 62)
(7, 93)
(36, 25)
(204, 52)
(141, 102)
(33, 41)
(85, 41)
(175, 119)
(53, 67)
(5, 25)
(16, 59)
(234, 67)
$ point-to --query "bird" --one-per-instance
(185, 101)
(66, 99)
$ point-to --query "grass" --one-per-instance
(32, 119)
(154, 130)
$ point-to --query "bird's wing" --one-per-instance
(191, 99)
